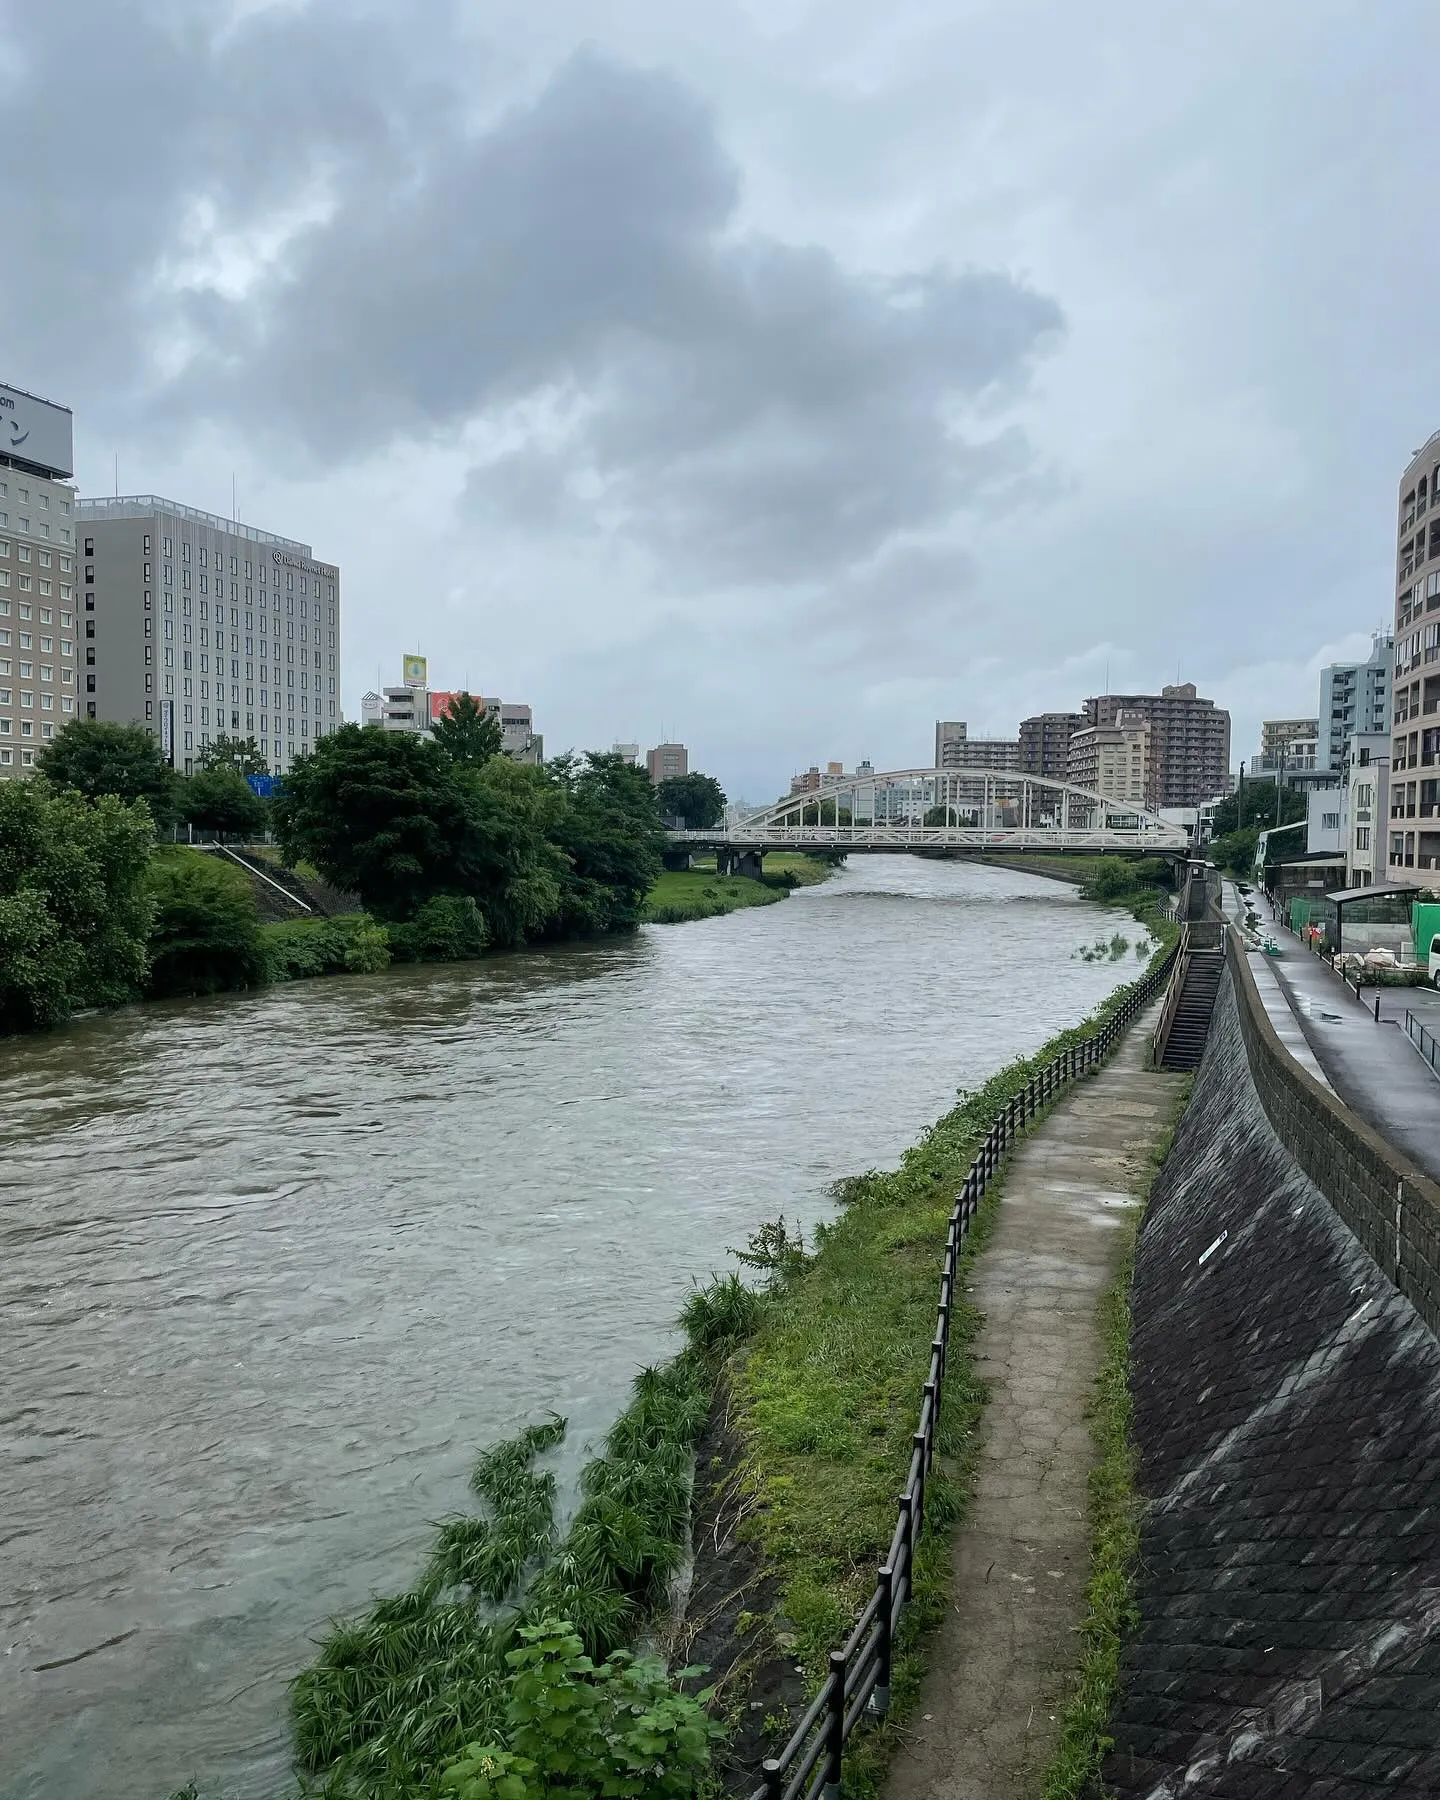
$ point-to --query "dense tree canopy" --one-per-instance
(612, 837)
(74, 912)
(1255, 806)
(697, 801)
(572, 848)
(95, 757)
(467, 733)
(379, 813)
(220, 799)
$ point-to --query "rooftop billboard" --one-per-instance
(37, 432)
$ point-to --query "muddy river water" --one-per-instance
(273, 1268)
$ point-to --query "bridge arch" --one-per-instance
(962, 809)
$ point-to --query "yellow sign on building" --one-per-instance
(414, 671)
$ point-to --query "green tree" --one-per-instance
(467, 733)
(74, 914)
(611, 835)
(220, 799)
(381, 814)
(697, 801)
(206, 931)
(95, 757)
(506, 856)
(1255, 805)
(243, 755)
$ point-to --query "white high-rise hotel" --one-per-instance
(203, 626)
(140, 610)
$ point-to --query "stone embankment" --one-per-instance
(1287, 1411)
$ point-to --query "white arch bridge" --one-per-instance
(961, 810)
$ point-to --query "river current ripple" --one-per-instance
(272, 1269)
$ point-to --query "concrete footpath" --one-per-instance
(1001, 1662)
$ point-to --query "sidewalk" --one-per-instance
(989, 1710)
(1373, 1068)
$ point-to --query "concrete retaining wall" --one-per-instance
(1392, 1207)
(1288, 1418)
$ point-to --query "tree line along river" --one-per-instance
(273, 1268)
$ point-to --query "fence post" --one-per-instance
(917, 1516)
(774, 1778)
(932, 1393)
(880, 1693)
(835, 1726)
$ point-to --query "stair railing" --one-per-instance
(1179, 970)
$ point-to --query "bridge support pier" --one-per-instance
(675, 859)
(750, 863)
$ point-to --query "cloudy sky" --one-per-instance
(777, 374)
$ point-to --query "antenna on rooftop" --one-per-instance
(117, 474)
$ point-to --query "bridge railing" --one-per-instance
(857, 1683)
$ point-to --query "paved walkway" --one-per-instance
(988, 1716)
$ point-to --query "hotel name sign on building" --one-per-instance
(34, 431)
(299, 562)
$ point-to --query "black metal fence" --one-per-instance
(858, 1681)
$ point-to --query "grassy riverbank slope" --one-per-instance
(819, 1408)
(699, 893)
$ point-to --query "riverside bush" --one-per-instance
(573, 1731)
(205, 937)
(449, 928)
(297, 949)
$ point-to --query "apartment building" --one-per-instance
(197, 626)
(1354, 700)
(1279, 736)
(989, 753)
(1045, 743)
(1414, 823)
(1113, 760)
(666, 761)
(39, 633)
(1189, 741)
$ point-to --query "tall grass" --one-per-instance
(395, 1695)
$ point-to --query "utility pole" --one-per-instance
(1279, 779)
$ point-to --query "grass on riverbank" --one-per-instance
(825, 1396)
(1115, 1515)
(396, 1696)
(699, 893)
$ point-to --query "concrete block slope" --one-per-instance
(1288, 1420)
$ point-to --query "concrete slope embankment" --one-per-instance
(1287, 1412)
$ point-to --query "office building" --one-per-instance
(201, 627)
(629, 753)
(40, 682)
(1189, 741)
(1354, 700)
(666, 761)
(1365, 789)
(1414, 824)
(1113, 761)
(1045, 743)
(949, 743)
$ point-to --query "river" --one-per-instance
(272, 1269)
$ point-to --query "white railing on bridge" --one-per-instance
(937, 809)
